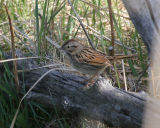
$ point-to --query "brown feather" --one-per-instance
(93, 57)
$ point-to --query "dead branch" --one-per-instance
(102, 102)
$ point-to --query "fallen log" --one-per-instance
(102, 102)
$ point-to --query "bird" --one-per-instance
(86, 59)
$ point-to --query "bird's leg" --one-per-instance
(92, 80)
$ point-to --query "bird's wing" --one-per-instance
(93, 57)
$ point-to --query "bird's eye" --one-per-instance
(68, 46)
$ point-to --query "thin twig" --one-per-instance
(53, 42)
(111, 24)
(13, 51)
(89, 40)
(124, 75)
(23, 58)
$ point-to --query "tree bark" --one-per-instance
(146, 19)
